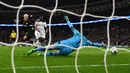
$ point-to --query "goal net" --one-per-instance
(83, 15)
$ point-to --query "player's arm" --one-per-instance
(68, 22)
(45, 24)
(46, 29)
(35, 25)
(37, 29)
(71, 26)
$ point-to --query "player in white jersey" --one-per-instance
(40, 32)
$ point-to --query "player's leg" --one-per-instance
(42, 37)
(61, 52)
(51, 47)
(25, 37)
(38, 44)
(55, 46)
(35, 50)
(39, 38)
(49, 54)
(65, 51)
(37, 34)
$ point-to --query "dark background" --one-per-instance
(96, 7)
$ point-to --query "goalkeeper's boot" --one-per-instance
(66, 18)
(39, 54)
(30, 52)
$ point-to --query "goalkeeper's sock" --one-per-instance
(39, 49)
(48, 54)
(42, 49)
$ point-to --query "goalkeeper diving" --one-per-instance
(73, 42)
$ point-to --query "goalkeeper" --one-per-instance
(74, 42)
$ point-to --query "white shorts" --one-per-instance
(38, 34)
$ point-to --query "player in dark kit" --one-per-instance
(28, 29)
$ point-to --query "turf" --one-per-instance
(90, 60)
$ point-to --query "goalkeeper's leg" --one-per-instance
(51, 47)
(34, 50)
(49, 54)
(37, 49)
(61, 52)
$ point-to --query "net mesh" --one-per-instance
(53, 11)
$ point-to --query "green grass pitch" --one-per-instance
(90, 60)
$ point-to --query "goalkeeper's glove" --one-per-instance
(66, 18)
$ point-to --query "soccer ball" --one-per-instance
(114, 50)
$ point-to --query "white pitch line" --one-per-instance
(65, 66)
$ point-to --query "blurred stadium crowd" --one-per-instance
(119, 32)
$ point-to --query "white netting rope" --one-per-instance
(81, 31)
(52, 12)
(108, 36)
(17, 28)
(50, 38)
